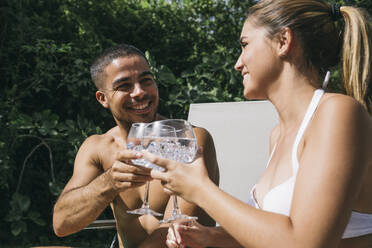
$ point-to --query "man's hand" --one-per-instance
(124, 174)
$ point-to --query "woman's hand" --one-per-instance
(187, 234)
(178, 178)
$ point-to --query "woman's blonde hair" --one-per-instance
(312, 21)
(357, 55)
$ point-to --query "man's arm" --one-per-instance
(86, 194)
(158, 237)
(90, 190)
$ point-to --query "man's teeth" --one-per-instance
(140, 106)
(245, 76)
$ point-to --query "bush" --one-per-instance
(49, 106)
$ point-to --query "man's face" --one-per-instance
(130, 90)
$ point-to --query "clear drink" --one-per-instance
(172, 139)
(134, 141)
(185, 150)
(159, 140)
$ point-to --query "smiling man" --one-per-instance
(103, 175)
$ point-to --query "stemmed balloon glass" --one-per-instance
(134, 142)
(182, 148)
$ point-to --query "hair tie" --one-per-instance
(326, 79)
(336, 12)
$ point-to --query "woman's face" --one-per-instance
(258, 62)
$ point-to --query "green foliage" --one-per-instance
(48, 106)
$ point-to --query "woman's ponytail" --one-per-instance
(357, 55)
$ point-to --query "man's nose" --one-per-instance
(137, 91)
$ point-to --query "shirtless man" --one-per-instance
(102, 172)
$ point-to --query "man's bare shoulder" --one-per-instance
(103, 139)
(96, 147)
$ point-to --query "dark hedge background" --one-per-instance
(48, 105)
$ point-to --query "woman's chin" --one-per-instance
(253, 95)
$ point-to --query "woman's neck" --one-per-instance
(291, 97)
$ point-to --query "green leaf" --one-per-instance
(18, 227)
(53, 132)
(40, 222)
(33, 215)
(21, 202)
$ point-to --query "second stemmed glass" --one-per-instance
(181, 148)
(134, 142)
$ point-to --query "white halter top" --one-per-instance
(279, 199)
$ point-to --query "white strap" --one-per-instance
(308, 116)
(271, 155)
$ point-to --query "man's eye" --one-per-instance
(243, 44)
(123, 87)
(147, 81)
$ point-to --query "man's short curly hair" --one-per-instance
(107, 56)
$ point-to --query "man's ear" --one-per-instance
(101, 98)
(285, 41)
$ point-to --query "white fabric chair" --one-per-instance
(241, 133)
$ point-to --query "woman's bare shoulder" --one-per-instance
(341, 115)
(344, 107)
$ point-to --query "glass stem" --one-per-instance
(176, 209)
(146, 197)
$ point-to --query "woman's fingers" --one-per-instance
(126, 155)
(171, 244)
(170, 235)
(168, 191)
(129, 177)
(162, 162)
(163, 177)
(171, 239)
(120, 167)
(177, 235)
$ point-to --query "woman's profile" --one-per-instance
(316, 190)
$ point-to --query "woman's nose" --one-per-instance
(239, 65)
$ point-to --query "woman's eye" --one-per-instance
(243, 44)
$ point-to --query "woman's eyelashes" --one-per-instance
(243, 44)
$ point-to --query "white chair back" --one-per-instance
(240, 131)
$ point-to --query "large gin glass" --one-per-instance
(134, 142)
(181, 148)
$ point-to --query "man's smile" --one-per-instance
(141, 107)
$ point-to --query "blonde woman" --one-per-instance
(317, 188)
